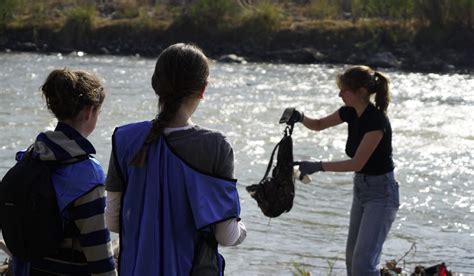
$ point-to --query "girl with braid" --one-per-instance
(369, 146)
(172, 195)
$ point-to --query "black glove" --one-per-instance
(296, 117)
(291, 115)
(309, 167)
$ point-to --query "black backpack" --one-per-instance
(275, 194)
(205, 261)
(29, 214)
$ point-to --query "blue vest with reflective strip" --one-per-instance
(75, 180)
(164, 205)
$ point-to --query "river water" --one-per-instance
(433, 139)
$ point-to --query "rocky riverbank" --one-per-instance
(379, 46)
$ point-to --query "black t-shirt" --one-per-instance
(380, 161)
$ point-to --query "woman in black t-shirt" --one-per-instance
(369, 146)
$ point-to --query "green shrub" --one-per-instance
(323, 9)
(7, 10)
(39, 11)
(440, 13)
(214, 14)
(461, 12)
(437, 13)
(127, 9)
(81, 15)
(388, 9)
(146, 19)
(158, 8)
(299, 270)
(266, 18)
(79, 23)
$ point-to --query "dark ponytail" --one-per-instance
(375, 82)
(382, 96)
(181, 71)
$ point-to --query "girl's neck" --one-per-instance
(180, 122)
(76, 125)
(183, 116)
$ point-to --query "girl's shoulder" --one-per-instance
(199, 133)
(377, 114)
(205, 149)
(347, 113)
(134, 126)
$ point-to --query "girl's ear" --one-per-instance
(88, 112)
(362, 91)
(201, 92)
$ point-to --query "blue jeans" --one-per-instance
(374, 206)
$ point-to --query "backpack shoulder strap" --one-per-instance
(30, 155)
(270, 163)
(288, 131)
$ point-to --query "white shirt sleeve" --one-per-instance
(230, 232)
(112, 211)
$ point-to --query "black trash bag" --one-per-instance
(275, 194)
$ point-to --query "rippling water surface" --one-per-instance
(432, 121)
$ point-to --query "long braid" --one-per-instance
(158, 125)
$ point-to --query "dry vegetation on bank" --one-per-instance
(255, 28)
(221, 15)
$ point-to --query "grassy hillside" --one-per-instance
(321, 30)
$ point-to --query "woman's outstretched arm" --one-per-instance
(323, 123)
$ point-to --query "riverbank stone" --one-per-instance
(384, 60)
(300, 56)
(232, 58)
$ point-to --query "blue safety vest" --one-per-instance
(164, 206)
